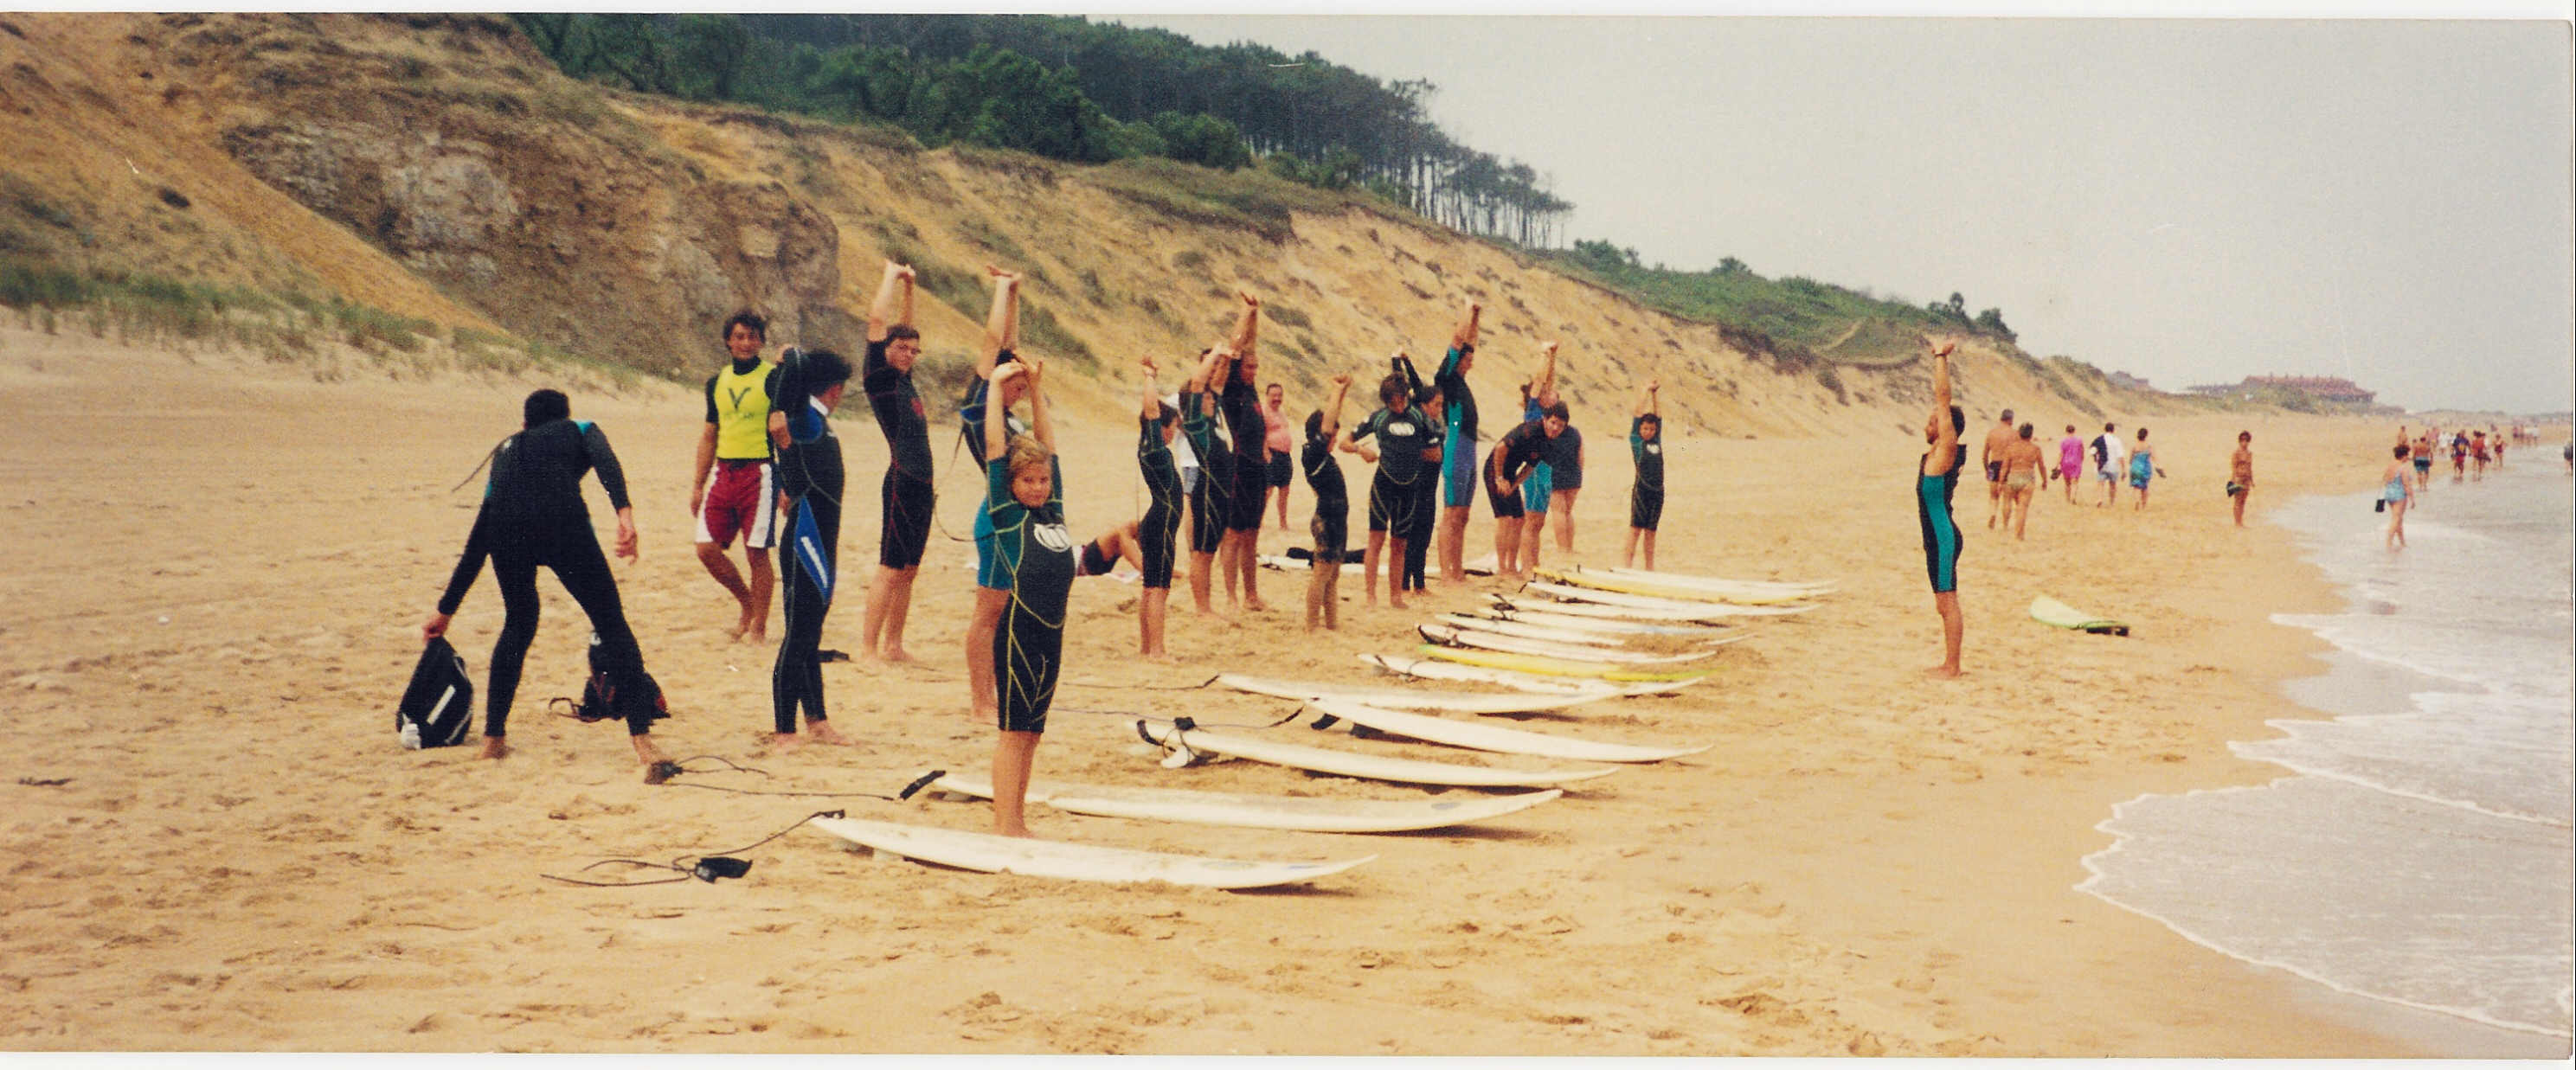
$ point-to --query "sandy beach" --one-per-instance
(216, 597)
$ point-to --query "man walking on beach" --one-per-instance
(2110, 459)
(734, 453)
(1936, 480)
(1999, 440)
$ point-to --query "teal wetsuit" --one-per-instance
(1941, 540)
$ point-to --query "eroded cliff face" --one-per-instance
(437, 166)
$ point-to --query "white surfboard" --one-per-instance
(1429, 669)
(1442, 633)
(1285, 563)
(1710, 615)
(1716, 583)
(1594, 579)
(1549, 665)
(1488, 737)
(1294, 813)
(1599, 625)
(1526, 630)
(1399, 699)
(1682, 609)
(989, 853)
(1368, 766)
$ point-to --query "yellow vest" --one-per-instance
(742, 413)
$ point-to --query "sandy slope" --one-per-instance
(219, 574)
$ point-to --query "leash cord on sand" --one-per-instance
(1137, 687)
(709, 867)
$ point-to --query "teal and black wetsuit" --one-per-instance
(1033, 553)
(532, 515)
(811, 476)
(1646, 497)
(971, 412)
(1212, 503)
(1941, 542)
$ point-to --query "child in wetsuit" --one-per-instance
(532, 514)
(1158, 533)
(1033, 557)
(1332, 523)
(810, 480)
(1393, 496)
(1646, 496)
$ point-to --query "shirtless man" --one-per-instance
(1936, 480)
(2022, 465)
(1999, 439)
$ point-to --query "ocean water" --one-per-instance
(2418, 847)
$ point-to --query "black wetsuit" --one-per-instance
(1034, 555)
(533, 515)
(1250, 433)
(1332, 524)
(1158, 532)
(1522, 448)
(1212, 504)
(810, 474)
(906, 496)
(1565, 460)
(1646, 497)
(1392, 497)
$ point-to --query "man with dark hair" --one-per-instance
(734, 453)
(1402, 437)
(1936, 480)
(810, 479)
(532, 514)
(1516, 459)
(906, 496)
(1999, 439)
(1458, 453)
(1240, 399)
(1332, 523)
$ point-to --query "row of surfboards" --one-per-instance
(1567, 648)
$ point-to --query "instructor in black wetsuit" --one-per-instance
(905, 497)
(533, 515)
(810, 480)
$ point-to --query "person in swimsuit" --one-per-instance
(906, 495)
(1158, 534)
(2022, 467)
(810, 479)
(2422, 449)
(2394, 492)
(532, 514)
(1539, 489)
(2070, 461)
(1991, 456)
(992, 593)
(1035, 564)
(1238, 556)
(2240, 474)
(1212, 500)
(2459, 456)
(2142, 469)
(1646, 495)
(1936, 479)
(1332, 523)
(1516, 459)
(1458, 450)
(1282, 473)
(734, 454)
(1402, 437)
(2477, 456)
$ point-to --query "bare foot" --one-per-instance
(496, 747)
(1942, 672)
(756, 635)
(1160, 657)
(823, 733)
(735, 633)
(1016, 832)
(1256, 605)
(899, 656)
(785, 742)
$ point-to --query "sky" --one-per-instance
(2187, 201)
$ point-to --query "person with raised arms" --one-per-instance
(1240, 397)
(906, 495)
(1212, 500)
(1936, 481)
(1427, 403)
(532, 514)
(998, 393)
(810, 482)
(1401, 437)
(1998, 439)
(1458, 477)
(1515, 459)
(1034, 564)
(1539, 488)
(1158, 532)
(733, 452)
(1646, 495)
(1332, 523)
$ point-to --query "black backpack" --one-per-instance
(603, 700)
(438, 708)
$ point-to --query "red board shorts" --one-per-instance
(742, 499)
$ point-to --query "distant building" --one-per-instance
(2335, 389)
(2126, 381)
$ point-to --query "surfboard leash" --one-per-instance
(712, 867)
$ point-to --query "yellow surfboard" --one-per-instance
(2056, 614)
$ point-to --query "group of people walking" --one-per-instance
(1213, 456)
